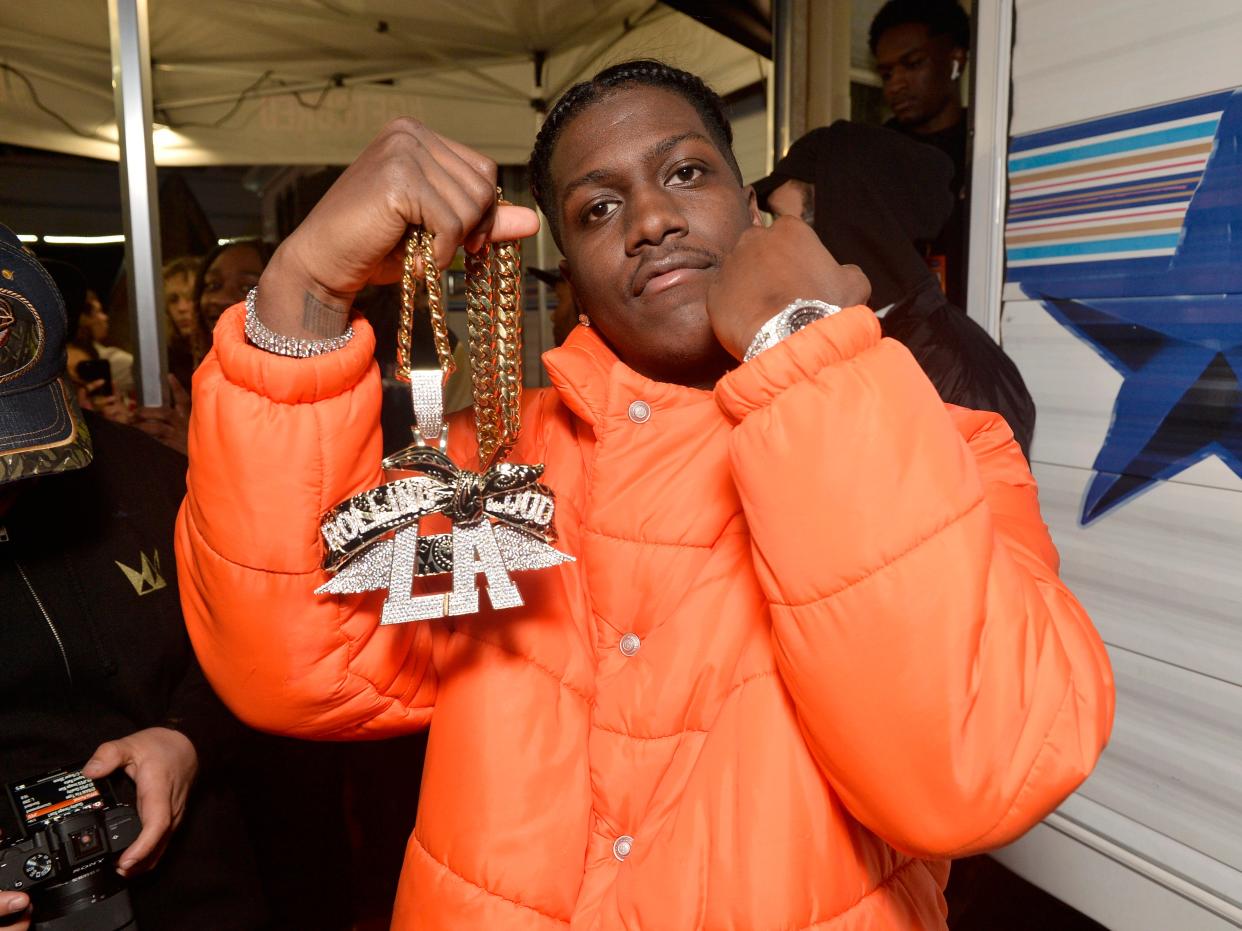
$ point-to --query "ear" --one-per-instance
(752, 206)
(563, 265)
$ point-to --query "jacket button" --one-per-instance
(639, 412)
(630, 644)
(622, 846)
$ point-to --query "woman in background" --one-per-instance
(187, 336)
(227, 273)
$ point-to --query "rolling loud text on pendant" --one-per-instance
(501, 516)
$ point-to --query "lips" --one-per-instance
(653, 269)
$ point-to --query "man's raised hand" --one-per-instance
(769, 269)
(408, 176)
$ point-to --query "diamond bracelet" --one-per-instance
(271, 341)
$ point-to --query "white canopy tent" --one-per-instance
(311, 81)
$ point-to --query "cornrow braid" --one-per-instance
(645, 72)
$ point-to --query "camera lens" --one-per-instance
(95, 900)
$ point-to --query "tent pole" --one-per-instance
(541, 259)
(781, 113)
(990, 65)
(131, 82)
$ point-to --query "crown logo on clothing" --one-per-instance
(147, 580)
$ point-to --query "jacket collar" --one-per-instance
(596, 385)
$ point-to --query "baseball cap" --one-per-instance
(549, 276)
(41, 427)
(799, 164)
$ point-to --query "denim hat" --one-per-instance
(41, 427)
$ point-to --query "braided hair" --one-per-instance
(941, 17)
(643, 72)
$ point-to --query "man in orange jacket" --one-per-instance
(813, 643)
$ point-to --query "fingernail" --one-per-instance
(18, 905)
(126, 864)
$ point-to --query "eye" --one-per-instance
(599, 210)
(684, 174)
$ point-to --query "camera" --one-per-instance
(60, 846)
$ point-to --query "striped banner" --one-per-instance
(1107, 190)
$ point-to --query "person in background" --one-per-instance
(229, 272)
(871, 195)
(565, 308)
(921, 48)
(96, 670)
(89, 329)
(187, 336)
(119, 361)
(83, 323)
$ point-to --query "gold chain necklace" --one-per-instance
(501, 515)
(494, 323)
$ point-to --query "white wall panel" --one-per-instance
(1109, 888)
(1154, 838)
(1074, 389)
(1175, 756)
(1074, 60)
(1160, 575)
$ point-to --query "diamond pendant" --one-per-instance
(501, 523)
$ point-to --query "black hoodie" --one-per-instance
(877, 195)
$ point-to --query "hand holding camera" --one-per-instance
(73, 825)
(14, 911)
(162, 763)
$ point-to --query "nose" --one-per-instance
(655, 215)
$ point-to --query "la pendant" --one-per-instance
(500, 516)
(501, 523)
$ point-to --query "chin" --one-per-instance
(697, 360)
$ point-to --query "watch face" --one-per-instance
(804, 316)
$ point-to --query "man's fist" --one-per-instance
(408, 176)
(768, 269)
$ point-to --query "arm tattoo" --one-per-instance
(322, 320)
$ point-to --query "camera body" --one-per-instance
(69, 831)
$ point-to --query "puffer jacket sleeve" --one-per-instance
(275, 442)
(951, 688)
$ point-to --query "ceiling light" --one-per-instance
(83, 240)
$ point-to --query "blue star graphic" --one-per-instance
(1181, 400)
(1180, 355)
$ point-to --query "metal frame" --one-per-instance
(131, 81)
(988, 178)
(781, 111)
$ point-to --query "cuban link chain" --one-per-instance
(501, 515)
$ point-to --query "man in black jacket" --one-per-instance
(96, 665)
(921, 48)
(872, 195)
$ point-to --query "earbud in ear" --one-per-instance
(957, 70)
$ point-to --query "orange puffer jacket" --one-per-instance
(854, 656)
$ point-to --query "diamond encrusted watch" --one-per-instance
(799, 314)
